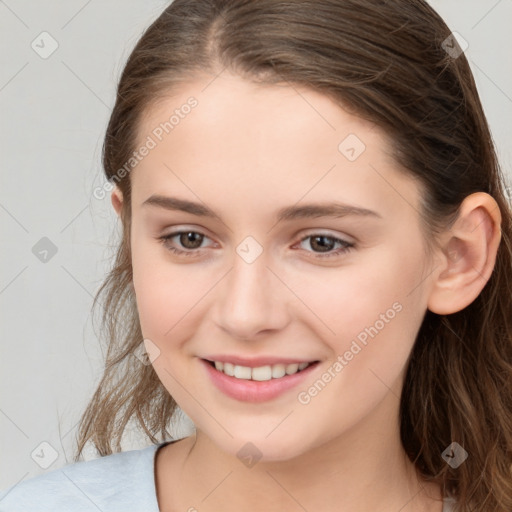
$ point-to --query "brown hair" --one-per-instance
(386, 61)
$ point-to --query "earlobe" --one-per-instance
(117, 200)
(467, 255)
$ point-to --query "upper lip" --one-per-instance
(255, 362)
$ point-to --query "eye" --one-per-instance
(190, 240)
(325, 243)
(322, 244)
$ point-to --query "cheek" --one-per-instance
(351, 298)
(165, 300)
(375, 318)
(169, 296)
(157, 300)
(371, 311)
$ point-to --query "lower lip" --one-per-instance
(253, 390)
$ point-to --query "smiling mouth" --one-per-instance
(260, 373)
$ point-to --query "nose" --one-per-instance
(251, 300)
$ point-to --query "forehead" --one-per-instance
(265, 142)
(261, 111)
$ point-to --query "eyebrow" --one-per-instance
(305, 211)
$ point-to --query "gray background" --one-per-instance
(54, 113)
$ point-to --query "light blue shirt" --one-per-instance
(120, 482)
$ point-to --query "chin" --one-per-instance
(258, 448)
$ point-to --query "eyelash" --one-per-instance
(164, 240)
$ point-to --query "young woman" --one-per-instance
(316, 256)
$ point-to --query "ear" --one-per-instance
(117, 200)
(467, 255)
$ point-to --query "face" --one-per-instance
(252, 287)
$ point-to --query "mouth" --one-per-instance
(256, 384)
(259, 373)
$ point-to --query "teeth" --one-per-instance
(260, 373)
(292, 368)
(278, 370)
(229, 369)
(242, 372)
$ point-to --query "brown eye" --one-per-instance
(322, 243)
(188, 242)
(325, 244)
(191, 239)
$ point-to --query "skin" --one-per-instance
(246, 151)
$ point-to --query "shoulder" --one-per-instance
(118, 482)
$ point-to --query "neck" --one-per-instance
(365, 469)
